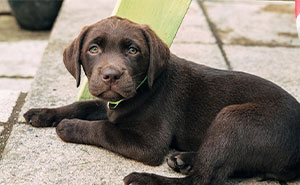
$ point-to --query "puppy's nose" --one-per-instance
(110, 75)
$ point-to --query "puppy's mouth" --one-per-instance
(110, 95)
(112, 92)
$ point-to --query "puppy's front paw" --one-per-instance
(42, 117)
(67, 130)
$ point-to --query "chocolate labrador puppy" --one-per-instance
(222, 123)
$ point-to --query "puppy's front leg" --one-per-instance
(47, 117)
(130, 143)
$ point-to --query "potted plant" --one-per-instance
(35, 14)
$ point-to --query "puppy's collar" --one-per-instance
(114, 104)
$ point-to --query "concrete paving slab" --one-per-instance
(11, 32)
(53, 85)
(76, 17)
(7, 101)
(20, 58)
(194, 28)
(209, 54)
(42, 158)
(254, 23)
(14, 84)
(4, 7)
(280, 65)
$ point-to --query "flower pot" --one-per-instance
(35, 14)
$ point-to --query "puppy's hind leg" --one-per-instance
(210, 168)
(244, 137)
(240, 138)
(232, 142)
(214, 162)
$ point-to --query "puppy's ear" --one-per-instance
(72, 55)
(159, 54)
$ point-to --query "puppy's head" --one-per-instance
(116, 55)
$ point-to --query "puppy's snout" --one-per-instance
(110, 75)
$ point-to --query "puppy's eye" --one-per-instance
(132, 51)
(94, 50)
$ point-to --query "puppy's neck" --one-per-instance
(130, 108)
(113, 105)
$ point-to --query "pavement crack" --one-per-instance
(16, 77)
(13, 119)
(266, 45)
(214, 31)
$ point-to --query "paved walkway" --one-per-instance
(20, 54)
(256, 37)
